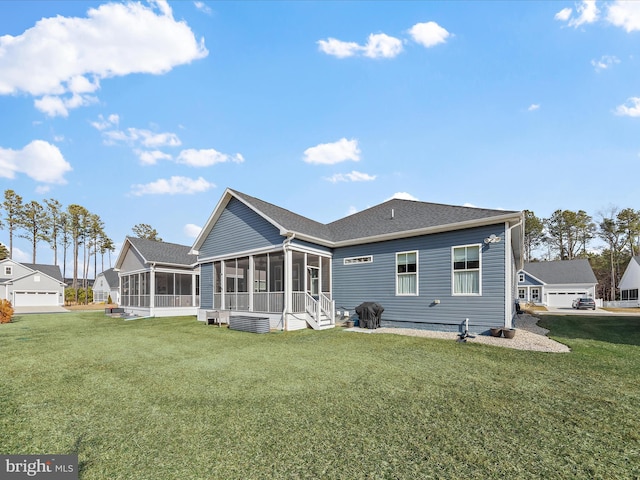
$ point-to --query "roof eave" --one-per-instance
(215, 215)
(430, 230)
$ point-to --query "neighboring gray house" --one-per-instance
(630, 285)
(556, 283)
(157, 278)
(31, 285)
(107, 284)
(429, 265)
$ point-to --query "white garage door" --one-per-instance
(563, 299)
(35, 299)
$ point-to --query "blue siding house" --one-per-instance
(429, 265)
(556, 283)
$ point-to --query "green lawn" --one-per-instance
(175, 399)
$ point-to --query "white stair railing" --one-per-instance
(312, 308)
(328, 307)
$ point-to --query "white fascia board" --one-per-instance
(211, 221)
(123, 253)
(542, 282)
(215, 215)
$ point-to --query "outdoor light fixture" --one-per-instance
(492, 239)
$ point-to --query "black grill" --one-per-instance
(369, 314)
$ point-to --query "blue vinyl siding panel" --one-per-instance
(376, 281)
(206, 286)
(237, 230)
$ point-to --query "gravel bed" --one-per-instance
(529, 336)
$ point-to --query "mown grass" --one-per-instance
(174, 399)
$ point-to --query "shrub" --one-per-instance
(6, 311)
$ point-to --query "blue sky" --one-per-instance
(145, 112)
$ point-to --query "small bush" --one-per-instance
(6, 311)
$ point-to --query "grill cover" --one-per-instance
(369, 314)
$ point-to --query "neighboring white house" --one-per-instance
(31, 285)
(105, 286)
(557, 283)
(630, 284)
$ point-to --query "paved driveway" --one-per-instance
(573, 311)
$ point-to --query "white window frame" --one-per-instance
(521, 278)
(358, 260)
(538, 294)
(398, 294)
(522, 293)
(8, 270)
(479, 270)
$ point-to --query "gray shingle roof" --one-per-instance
(398, 215)
(52, 271)
(562, 271)
(286, 218)
(111, 276)
(408, 215)
(163, 252)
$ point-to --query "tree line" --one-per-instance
(567, 235)
(71, 229)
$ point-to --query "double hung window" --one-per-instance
(466, 270)
(407, 273)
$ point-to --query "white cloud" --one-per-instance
(59, 106)
(39, 160)
(173, 186)
(381, 45)
(143, 137)
(564, 14)
(605, 62)
(151, 157)
(351, 177)
(624, 14)
(588, 13)
(533, 107)
(428, 34)
(191, 230)
(102, 123)
(66, 58)
(338, 48)
(403, 196)
(203, 7)
(630, 109)
(332, 153)
(352, 210)
(206, 157)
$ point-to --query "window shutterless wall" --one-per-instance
(376, 280)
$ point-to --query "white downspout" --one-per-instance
(509, 300)
(287, 283)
